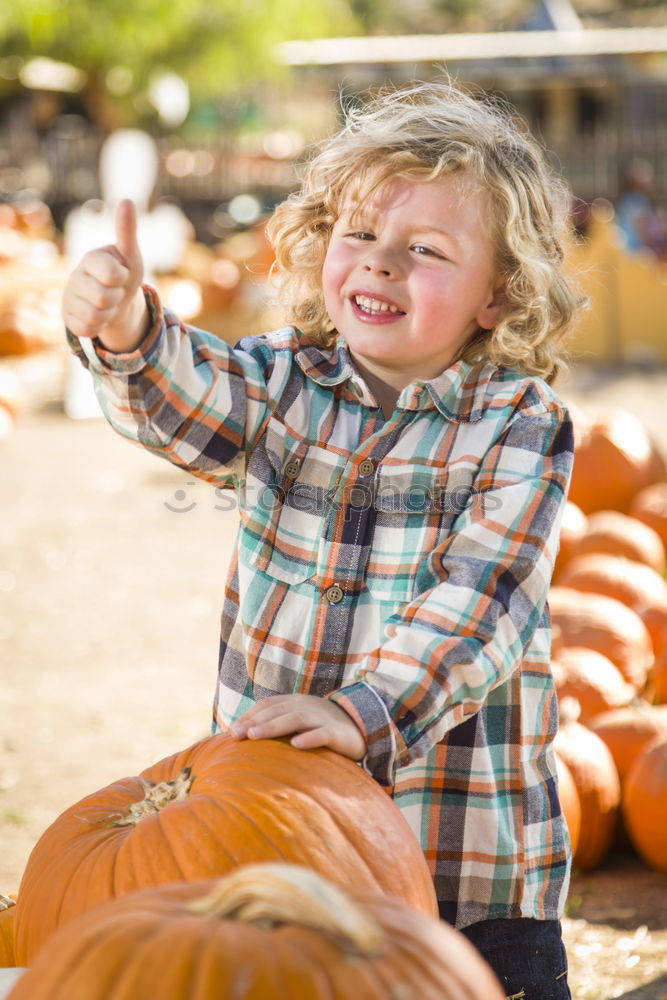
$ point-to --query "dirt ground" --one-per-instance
(112, 567)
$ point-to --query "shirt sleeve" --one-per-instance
(483, 596)
(183, 393)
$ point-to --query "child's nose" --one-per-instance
(382, 260)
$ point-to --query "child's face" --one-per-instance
(409, 276)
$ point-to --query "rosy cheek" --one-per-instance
(333, 275)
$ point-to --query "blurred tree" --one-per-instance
(216, 45)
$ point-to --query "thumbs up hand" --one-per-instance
(103, 296)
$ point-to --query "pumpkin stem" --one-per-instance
(6, 902)
(272, 894)
(156, 797)
(569, 711)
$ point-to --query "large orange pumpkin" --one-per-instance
(632, 583)
(605, 625)
(650, 506)
(592, 679)
(265, 932)
(627, 731)
(645, 804)
(596, 779)
(216, 805)
(7, 914)
(617, 534)
(614, 459)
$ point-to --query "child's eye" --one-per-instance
(427, 251)
(360, 235)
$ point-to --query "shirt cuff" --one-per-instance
(93, 355)
(385, 748)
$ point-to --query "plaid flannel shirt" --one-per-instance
(398, 566)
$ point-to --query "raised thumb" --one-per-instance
(126, 232)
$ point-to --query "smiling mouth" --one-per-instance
(375, 307)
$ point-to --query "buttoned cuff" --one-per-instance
(95, 357)
(385, 749)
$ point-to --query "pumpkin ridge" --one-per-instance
(23, 949)
(150, 939)
(247, 821)
(141, 935)
(131, 860)
(205, 980)
(195, 822)
(329, 816)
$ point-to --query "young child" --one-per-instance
(401, 464)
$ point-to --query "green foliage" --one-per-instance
(216, 44)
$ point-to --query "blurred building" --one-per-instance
(597, 96)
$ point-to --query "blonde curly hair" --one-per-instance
(423, 132)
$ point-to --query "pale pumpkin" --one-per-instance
(627, 731)
(656, 686)
(265, 932)
(654, 616)
(605, 625)
(569, 801)
(650, 506)
(202, 812)
(618, 534)
(592, 679)
(573, 527)
(614, 459)
(596, 779)
(634, 584)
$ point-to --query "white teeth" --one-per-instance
(374, 305)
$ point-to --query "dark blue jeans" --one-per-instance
(528, 956)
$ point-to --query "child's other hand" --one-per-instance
(103, 297)
(317, 721)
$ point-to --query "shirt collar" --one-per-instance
(459, 392)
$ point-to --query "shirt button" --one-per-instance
(366, 468)
(334, 595)
(291, 470)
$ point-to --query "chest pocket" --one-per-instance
(289, 489)
(415, 506)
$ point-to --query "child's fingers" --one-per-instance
(104, 266)
(89, 305)
(269, 721)
(322, 736)
(89, 316)
(89, 290)
(262, 711)
(282, 724)
(80, 328)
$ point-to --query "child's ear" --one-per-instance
(488, 315)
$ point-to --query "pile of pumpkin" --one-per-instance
(245, 870)
(608, 610)
(32, 276)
